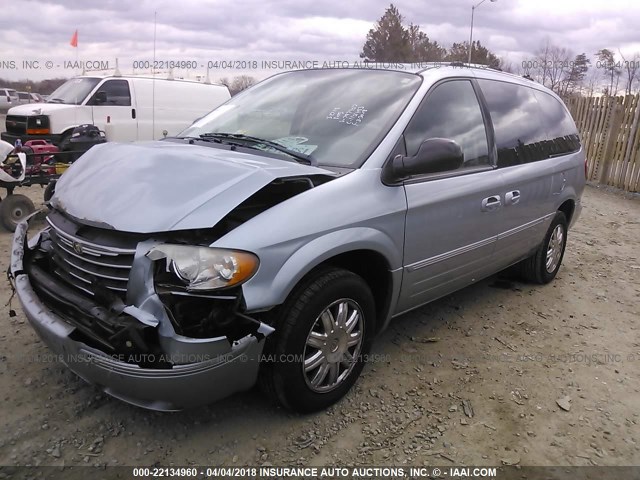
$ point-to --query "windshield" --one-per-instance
(337, 117)
(74, 91)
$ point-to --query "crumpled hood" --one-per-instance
(162, 186)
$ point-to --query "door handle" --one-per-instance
(492, 203)
(133, 113)
(511, 198)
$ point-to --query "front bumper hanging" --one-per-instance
(223, 369)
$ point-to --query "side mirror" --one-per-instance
(100, 98)
(434, 155)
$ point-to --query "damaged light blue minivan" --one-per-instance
(274, 238)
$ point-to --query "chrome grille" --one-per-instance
(86, 265)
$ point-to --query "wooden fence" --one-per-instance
(610, 132)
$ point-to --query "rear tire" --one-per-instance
(323, 335)
(543, 265)
(13, 209)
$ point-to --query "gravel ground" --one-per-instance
(499, 373)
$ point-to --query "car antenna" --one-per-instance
(153, 81)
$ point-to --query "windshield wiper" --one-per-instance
(204, 138)
(301, 157)
(55, 100)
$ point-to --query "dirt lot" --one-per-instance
(471, 379)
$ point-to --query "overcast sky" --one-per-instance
(329, 30)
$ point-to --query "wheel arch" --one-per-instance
(367, 252)
(66, 133)
(374, 269)
(568, 208)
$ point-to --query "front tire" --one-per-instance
(323, 335)
(542, 267)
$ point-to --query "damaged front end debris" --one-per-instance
(120, 318)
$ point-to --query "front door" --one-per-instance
(453, 218)
(113, 110)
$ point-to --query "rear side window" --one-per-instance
(451, 110)
(518, 122)
(117, 92)
(561, 130)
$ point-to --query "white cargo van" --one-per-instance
(127, 108)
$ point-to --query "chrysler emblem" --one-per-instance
(78, 248)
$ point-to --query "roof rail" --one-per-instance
(458, 63)
(478, 65)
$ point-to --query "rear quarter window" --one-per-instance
(561, 130)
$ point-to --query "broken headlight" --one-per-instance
(205, 268)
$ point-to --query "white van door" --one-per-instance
(114, 110)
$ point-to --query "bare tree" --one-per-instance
(509, 67)
(607, 61)
(631, 70)
(542, 61)
(241, 83)
(558, 63)
(592, 82)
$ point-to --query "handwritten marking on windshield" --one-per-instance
(353, 116)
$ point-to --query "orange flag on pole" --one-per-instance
(74, 39)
